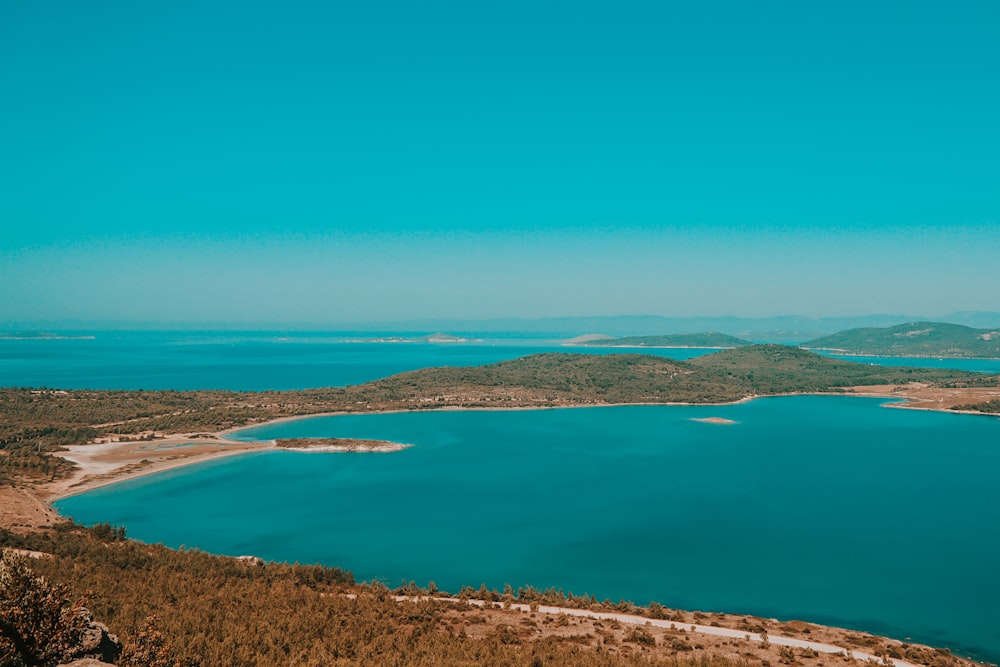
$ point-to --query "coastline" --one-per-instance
(127, 460)
(848, 353)
(92, 474)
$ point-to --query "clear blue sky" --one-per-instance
(328, 163)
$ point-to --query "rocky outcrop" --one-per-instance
(97, 644)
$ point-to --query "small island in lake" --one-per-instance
(339, 445)
(713, 420)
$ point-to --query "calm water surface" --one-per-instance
(829, 509)
(247, 361)
(257, 361)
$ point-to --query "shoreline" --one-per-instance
(848, 353)
(185, 452)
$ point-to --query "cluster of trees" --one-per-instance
(214, 610)
(39, 625)
(991, 407)
(780, 369)
(187, 608)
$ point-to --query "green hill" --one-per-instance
(914, 339)
(35, 422)
(563, 379)
(707, 339)
(779, 369)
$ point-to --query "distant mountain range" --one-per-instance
(914, 339)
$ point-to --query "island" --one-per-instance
(913, 339)
(338, 445)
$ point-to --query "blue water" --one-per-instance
(830, 509)
(248, 361)
(974, 365)
(256, 361)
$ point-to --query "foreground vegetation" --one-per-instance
(190, 608)
(211, 610)
(915, 339)
(36, 422)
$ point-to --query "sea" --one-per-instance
(837, 510)
(263, 360)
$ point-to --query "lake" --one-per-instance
(828, 509)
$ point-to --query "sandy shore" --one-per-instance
(112, 462)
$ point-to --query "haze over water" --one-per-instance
(829, 509)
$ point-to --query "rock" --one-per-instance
(97, 642)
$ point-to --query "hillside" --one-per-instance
(190, 608)
(914, 339)
(779, 369)
(707, 339)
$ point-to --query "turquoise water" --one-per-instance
(248, 361)
(974, 365)
(257, 361)
(830, 509)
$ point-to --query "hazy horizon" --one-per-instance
(329, 164)
(782, 329)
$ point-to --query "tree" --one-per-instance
(38, 625)
(148, 648)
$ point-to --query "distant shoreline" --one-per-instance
(942, 357)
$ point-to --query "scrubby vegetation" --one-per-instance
(187, 608)
(779, 369)
(39, 624)
(916, 339)
(990, 407)
(198, 609)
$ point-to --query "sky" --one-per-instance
(324, 164)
